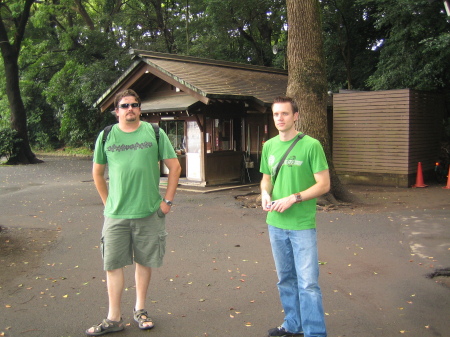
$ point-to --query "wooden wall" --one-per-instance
(223, 167)
(425, 128)
(380, 136)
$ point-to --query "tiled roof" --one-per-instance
(210, 79)
(221, 79)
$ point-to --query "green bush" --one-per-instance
(8, 140)
(42, 141)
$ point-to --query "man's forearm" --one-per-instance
(102, 188)
(172, 182)
(266, 187)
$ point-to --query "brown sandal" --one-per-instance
(106, 326)
(141, 317)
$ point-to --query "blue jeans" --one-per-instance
(297, 264)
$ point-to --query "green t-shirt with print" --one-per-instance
(295, 175)
(133, 168)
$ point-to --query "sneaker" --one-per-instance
(281, 332)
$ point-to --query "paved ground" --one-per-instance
(218, 279)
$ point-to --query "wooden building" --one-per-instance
(217, 114)
(379, 137)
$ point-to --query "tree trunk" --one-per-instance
(307, 81)
(10, 53)
(23, 153)
(162, 25)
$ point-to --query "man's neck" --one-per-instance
(288, 135)
(129, 126)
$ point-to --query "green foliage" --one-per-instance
(68, 60)
(74, 89)
(8, 142)
(67, 151)
(241, 31)
(65, 74)
(349, 37)
(4, 110)
(416, 51)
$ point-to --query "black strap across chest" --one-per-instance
(299, 137)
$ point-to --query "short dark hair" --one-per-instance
(286, 99)
(122, 94)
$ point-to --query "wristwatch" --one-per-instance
(168, 202)
(298, 197)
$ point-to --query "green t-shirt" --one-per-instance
(133, 168)
(295, 175)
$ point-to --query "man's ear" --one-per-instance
(295, 116)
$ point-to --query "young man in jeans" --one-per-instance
(290, 200)
(134, 226)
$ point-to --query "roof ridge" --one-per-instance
(191, 59)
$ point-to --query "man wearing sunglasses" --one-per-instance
(134, 225)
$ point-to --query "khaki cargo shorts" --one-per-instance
(142, 240)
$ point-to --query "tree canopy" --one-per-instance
(65, 53)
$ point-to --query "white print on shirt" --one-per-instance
(291, 161)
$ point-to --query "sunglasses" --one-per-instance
(127, 105)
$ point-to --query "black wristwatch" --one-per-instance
(298, 197)
(168, 202)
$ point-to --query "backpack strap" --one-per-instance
(156, 129)
(299, 137)
(107, 130)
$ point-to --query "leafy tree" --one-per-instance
(350, 42)
(416, 52)
(37, 64)
(307, 82)
(72, 50)
(13, 22)
(247, 29)
(73, 67)
(161, 19)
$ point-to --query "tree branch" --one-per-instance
(22, 24)
(84, 14)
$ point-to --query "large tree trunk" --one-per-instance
(307, 81)
(22, 153)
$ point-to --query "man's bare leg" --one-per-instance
(143, 275)
(115, 282)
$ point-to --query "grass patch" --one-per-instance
(66, 151)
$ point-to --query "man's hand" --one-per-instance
(283, 204)
(164, 207)
(266, 201)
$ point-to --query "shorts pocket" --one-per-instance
(102, 247)
(162, 244)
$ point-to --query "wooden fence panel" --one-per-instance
(385, 133)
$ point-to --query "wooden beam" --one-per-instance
(200, 125)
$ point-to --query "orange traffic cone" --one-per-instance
(448, 180)
(419, 178)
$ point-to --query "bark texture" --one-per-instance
(307, 81)
(10, 53)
